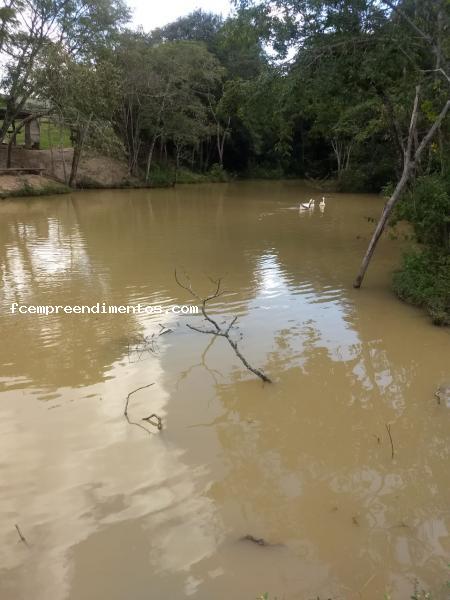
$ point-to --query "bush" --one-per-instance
(218, 173)
(427, 207)
(352, 180)
(263, 172)
(161, 177)
(165, 176)
(424, 280)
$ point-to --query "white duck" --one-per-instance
(322, 202)
(303, 206)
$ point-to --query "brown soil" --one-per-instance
(94, 171)
(29, 185)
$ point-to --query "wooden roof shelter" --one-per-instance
(32, 127)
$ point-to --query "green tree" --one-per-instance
(64, 82)
(29, 28)
(167, 92)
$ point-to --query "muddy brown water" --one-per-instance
(305, 464)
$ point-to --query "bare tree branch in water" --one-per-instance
(143, 344)
(149, 419)
(21, 536)
(216, 329)
(388, 429)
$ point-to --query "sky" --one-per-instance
(154, 13)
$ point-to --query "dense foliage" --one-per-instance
(424, 278)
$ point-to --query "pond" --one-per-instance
(340, 465)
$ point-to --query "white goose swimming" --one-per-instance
(322, 202)
(303, 206)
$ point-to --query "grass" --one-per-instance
(52, 133)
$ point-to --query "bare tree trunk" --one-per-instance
(11, 142)
(382, 222)
(50, 142)
(347, 158)
(221, 137)
(337, 151)
(77, 150)
(177, 162)
(150, 157)
(409, 164)
(75, 161)
(61, 149)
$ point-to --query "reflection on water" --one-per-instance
(111, 512)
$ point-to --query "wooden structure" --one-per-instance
(32, 128)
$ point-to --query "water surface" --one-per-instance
(112, 512)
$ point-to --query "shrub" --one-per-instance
(424, 280)
(218, 173)
(427, 207)
(352, 180)
(265, 172)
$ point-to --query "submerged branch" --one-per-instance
(218, 330)
(388, 429)
(21, 536)
(158, 423)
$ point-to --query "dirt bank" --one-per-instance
(29, 185)
(93, 171)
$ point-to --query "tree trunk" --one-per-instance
(337, 151)
(177, 162)
(382, 222)
(11, 143)
(221, 137)
(149, 158)
(50, 142)
(61, 149)
(410, 162)
(80, 138)
(75, 162)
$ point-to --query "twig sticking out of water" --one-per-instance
(388, 429)
(21, 536)
(146, 344)
(158, 424)
(217, 329)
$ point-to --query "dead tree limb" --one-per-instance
(150, 420)
(410, 161)
(216, 329)
(158, 423)
(21, 536)
(388, 429)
